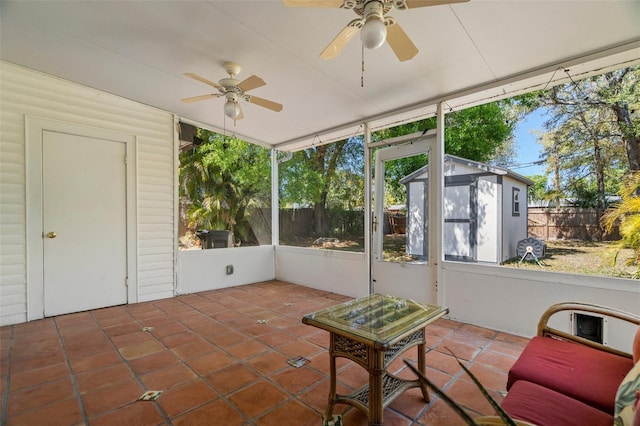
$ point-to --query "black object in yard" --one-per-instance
(215, 239)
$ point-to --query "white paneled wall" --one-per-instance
(24, 92)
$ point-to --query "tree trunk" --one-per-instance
(629, 137)
(320, 214)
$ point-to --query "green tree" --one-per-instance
(315, 177)
(482, 133)
(309, 178)
(539, 190)
(478, 133)
(220, 180)
(592, 134)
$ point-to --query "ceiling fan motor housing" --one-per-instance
(229, 83)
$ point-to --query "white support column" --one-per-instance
(275, 206)
(367, 206)
(436, 203)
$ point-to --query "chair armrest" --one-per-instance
(545, 330)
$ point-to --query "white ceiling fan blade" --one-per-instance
(313, 3)
(202, 79)
(199, 98)
(251, 83)
(273, 106)
(340, 41)
(412, 4)
(400, 42)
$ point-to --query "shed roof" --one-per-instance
(470, 163)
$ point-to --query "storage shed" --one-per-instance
(485, 211)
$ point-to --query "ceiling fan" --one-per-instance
(375, 27)
(234, 90)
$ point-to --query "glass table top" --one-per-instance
(376, 318)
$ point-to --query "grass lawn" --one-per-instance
(582, 257)
(570, 256)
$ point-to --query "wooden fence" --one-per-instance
(568, 223)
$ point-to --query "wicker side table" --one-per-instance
(373, 331)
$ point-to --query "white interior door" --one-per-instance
(411, 277)
(84, 222)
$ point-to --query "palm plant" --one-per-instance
(627, 213)
(220, 180)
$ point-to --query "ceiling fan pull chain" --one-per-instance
(362, 72)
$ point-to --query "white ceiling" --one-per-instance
(140, 50)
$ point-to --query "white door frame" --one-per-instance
(421, 277)
(34, 128)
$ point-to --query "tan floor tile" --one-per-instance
(268, 362)
(38, 376)
(276, 338)
(39, 396)
(155, 361)
(210, 362)
(257, 398)
(95, 361)
(247, 349)
(317, 397)
(167, 377)
(139, 413)
(107, 398)
(228, 339)
(296, 380)
(221, 365)
(464, 351)
(496, 360)
(300, 347)
(137, 350)
(439, 413)
(210, 414)
(442, 362)
(290, 412)
(65, 412)
(466, 393)
(185, 397)
(193, 349)
(231, 378)
(357, 418)
(107, 376)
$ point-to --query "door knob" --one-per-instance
(51, 234)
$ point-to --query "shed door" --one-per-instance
(84, 223)
(460, 218)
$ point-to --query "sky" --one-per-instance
(527, 148)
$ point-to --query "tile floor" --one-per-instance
(218, 363)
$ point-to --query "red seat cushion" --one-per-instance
(575, 370)
(545, 407)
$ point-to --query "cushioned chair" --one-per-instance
(562, 379)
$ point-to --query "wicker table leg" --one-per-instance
(423, 369)
(328, 416)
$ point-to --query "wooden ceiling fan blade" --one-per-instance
(202, 80)
(412, 4)
(313, 3)
(340, 41)
(273, 106)
(400, 42)
(198, 98)
(251, 83)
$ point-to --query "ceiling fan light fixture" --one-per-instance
(374, 33)
(231, 109)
